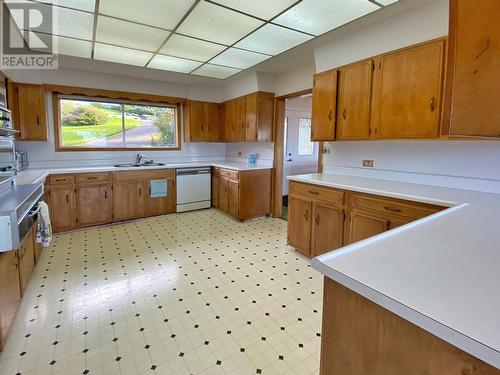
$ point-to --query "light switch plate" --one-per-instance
(368, 163)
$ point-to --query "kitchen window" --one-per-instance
(306, 147)
(100, 124)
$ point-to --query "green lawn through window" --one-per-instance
(82, 135)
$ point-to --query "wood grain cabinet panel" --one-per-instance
(251, 132)
(128, 200)
(408, 92)
(364, 225)
(473, 83)
(324, 106)
(327, 228)
(28, 106)
(229, 121)
(62, 207)
(234, 198)
(26, 254)
(215, 191)
(299, 223)
(161, 205)
(10, 292)
(354, 101)
(223, 194)
(239, 129)
(93, 204)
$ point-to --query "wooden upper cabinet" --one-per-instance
(473, 82)
(239, 129)
(354, 101)
(229, 120)
(201, 121)
(251, 117)
(408, 92)
(27, 103)
(324, 106)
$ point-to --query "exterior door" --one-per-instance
(62, 207)
(128, 200)
(327, 228)
(324, 106)
(93, 204)
(408, 93)
(363, 225)
(355, 95)
(299, 223)
(234, 198)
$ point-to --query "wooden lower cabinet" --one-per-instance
(299, 223)
(26, 254)
(62, 207)
(10, 292)
(160, 205)
(93, 204)
(242, 194)
(128, 200)
(327, 228)
(364, 225)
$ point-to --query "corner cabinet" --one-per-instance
(202, 121)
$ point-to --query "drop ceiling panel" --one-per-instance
(160, 13)
(128, 34)
(238, 58)
(190, 48)
(265, 9)
(319, 16)
(173, 64)
(214, 23)
(68, 46)
(86, 5)
(272, 40)
(387, 2)
(215, 71)
(121, 55)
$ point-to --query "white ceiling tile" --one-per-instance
(265, 9)
(160, 13)
(173, 64)
(215, 71)
(387, 2)
(121, 55)
(128, 34)
(238, 58)
(217, 24)
(190, 48)
(86, 5)
(272, 39)
(319, 16)
(74, 47)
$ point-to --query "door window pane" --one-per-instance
(306, 147)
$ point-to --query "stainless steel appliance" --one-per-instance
(18, 212)
(22, 161)
(3, 96)
(193, 188)
(6, 128)
(7, 159)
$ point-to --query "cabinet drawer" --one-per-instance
(61, 179)
(229, 174)
(413, 211)
(316, 192)
(87, 178)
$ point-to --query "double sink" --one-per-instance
(138, 165)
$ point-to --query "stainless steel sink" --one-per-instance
(138, 165)
(127, 165)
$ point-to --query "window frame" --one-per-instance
(56, 96)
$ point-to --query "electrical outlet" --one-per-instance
(368, 163)
(240, 153)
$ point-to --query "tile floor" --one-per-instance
(193, 293)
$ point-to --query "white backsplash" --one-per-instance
(239, 151)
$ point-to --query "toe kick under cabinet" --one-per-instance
(322, 219)
(242, 194)
(88, 199)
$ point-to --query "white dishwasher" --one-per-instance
(193, 188)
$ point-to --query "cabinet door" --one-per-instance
(161, 205)
(196, 123)
(407, 97)
(327, 228)
(224, 194)
(251, 118)
(212, 114)
(215, 191)
(10, 292)
(355, 95)
(26, 254)
(234, 199)
(363, 225)
(93, 204)
(128, 200)
(240, 120)
(31, 106)
(62, 207)
(299, 223)
(474, 68)
(37, 246)
(324, 106)
(229, 120)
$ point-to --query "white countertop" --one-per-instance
(441, 273)
(30, 176)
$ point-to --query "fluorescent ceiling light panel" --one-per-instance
(319, 16)
(265, 9)
(214, 23)
(173, 64)
(121, 55)
(73, 47)
(160, 13)
(238, 58)
(215, 71)
(128, 34)
(272, 40)
(86, 5)
(387, 2)
(190, 48)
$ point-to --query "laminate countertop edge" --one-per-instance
(441, 272)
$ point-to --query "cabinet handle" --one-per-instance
(330, 116)
(38, 120)
(432, 104)
(105, 194)
(317, 219)
(306, 215)
(140, 191)
(314, 192)
(92, 178)
(67, 198)
(392, 209)
(344, 114)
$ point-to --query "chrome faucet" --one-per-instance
(139, 158)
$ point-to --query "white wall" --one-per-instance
(294, 80)
(239, 151)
